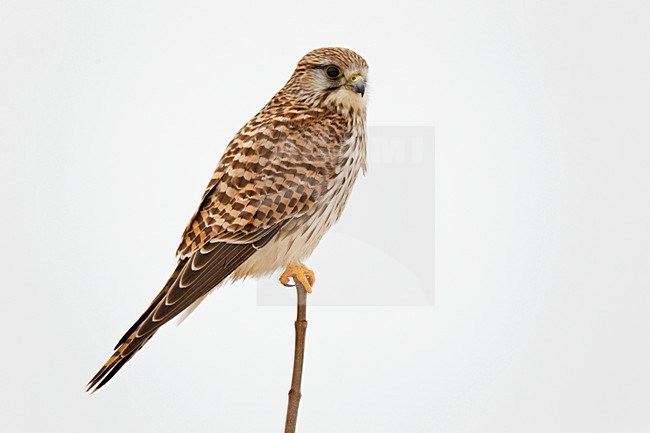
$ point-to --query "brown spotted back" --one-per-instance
(274, 169)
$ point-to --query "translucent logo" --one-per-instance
(381, 252)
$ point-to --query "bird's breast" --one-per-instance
(299, 237)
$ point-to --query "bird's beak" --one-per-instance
(357, 84)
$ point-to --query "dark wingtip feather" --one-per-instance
(94, 383)
(106, 373)
(232, 255)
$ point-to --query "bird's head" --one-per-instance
(335, 77)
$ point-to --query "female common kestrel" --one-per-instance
(282, 182)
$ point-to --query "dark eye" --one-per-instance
(333, 72)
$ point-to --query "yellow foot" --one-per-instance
(299, 273)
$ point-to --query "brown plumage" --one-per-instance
(282, 182)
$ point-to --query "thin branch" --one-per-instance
(298, 357)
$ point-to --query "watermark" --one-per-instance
(381, 252)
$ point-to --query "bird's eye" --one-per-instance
(333, 72)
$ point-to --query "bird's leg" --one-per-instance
(300, 272)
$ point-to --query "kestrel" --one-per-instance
(282, 182)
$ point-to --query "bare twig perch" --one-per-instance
(298, 356)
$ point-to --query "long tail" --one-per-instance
(130, 343)
(122, 355)
(195, 276)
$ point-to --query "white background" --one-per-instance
(113, 116)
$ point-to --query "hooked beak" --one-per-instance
(357, 84)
